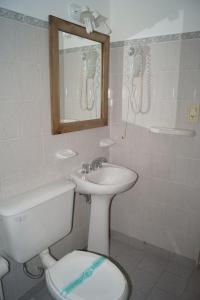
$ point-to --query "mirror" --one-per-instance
(78, 77)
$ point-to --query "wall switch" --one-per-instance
(193, 113)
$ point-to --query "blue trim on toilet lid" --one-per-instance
(85, 275)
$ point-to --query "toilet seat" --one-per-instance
(104, 282)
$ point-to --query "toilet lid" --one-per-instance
(86, 276)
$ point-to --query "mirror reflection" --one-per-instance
(80, 63)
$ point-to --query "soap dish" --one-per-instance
(66, 153)
(106, 142)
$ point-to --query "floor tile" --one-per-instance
(143, 281)
(172, 284)
(188, 295)
(44, 295)
(137, 295)
(182, 260)
(126, 256)
(117, 247)
(194, 282)
(162, 253)
(157, 294)
(182, 270)
(153, 264)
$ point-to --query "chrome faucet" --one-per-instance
(85, 168)
(97, 163)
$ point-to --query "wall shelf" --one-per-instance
(66, 153)
(172, 131)
(106, 143)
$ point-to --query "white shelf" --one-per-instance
(106, 142)
(66, 153)
(172, 131)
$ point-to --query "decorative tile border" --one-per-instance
(158, 39)
(10, 14)
(190, 35)
(117, 44)
(81, 49)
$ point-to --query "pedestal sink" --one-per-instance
(102, 184)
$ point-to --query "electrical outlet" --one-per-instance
(193, 113)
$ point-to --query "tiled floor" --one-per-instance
(153, 274)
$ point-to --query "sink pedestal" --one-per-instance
(98, 240)
(102, 184)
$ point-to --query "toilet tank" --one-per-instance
(33, 221)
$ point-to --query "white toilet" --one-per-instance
(33, 221)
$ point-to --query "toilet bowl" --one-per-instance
(41, 218)
(86, 276)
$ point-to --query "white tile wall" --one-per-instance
(27, 148)
(164, 206)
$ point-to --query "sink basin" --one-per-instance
(109, 179)
(102, 184)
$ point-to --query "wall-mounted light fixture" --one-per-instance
(91, 19)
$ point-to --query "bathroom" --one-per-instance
(154, 225)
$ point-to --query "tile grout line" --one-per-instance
(188, 281)
(146, 298)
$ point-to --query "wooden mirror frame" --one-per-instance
(56, 25)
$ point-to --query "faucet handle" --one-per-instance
(97, 164)
(102, 160)
(100, 164)
(85, 168)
